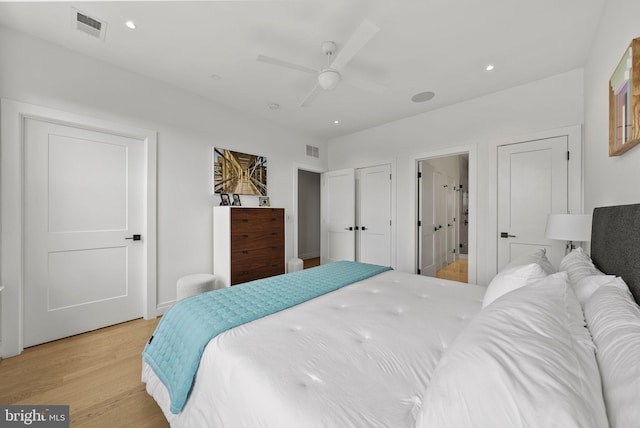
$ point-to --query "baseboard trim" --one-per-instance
(164, 307)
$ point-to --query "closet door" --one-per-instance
(338, 192)
(374, 215)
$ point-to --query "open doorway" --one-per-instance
(443, 217)
(308, 243)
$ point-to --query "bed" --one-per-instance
(536, 348)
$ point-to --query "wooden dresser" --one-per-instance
(248, 243)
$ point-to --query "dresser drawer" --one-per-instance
(256, 220)
(247, 265)
(254, 240)
(258, 257)
(246, 275)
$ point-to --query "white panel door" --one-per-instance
(427, 226)
(450, 220)
(84, 198)
(374, 209)
(338, 197)
(440, 221)
(532, 183)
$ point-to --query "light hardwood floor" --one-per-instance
(97, 374)
(456, 271)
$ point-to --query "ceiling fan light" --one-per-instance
(328, 79)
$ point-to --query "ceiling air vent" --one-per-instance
(312, 151)
(88, 25)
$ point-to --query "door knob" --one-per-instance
(506, 235)
(135, 237)
(364, 228)
(348, 228)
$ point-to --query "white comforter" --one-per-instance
(361, 356)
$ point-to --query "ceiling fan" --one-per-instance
(328, 78)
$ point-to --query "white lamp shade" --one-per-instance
(569, 227)
(328, 79)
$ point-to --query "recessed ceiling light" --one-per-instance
(489, 67)
(216, 77)
(131, 25)
(273, 106)
(422, 97)
(336, 122)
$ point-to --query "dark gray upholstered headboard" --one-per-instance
(615, 243)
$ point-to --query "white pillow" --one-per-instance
(540, 257)
(588, 285)
(525, 270)
(525, 361)
(578, 265)
(613, 318)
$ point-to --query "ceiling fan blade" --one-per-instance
(366, 85)
(358, 39)
(311, 96)
(281, 63)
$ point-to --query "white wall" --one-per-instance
(37, 72)
(551, 103)
(608, 180)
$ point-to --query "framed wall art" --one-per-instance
(624, 102)
(238, 173)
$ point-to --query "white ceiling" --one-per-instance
(423, 45)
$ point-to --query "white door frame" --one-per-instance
(299, 167)
(13, 114)
(575, 177)
(472, 150)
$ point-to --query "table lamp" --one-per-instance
(569, 227)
